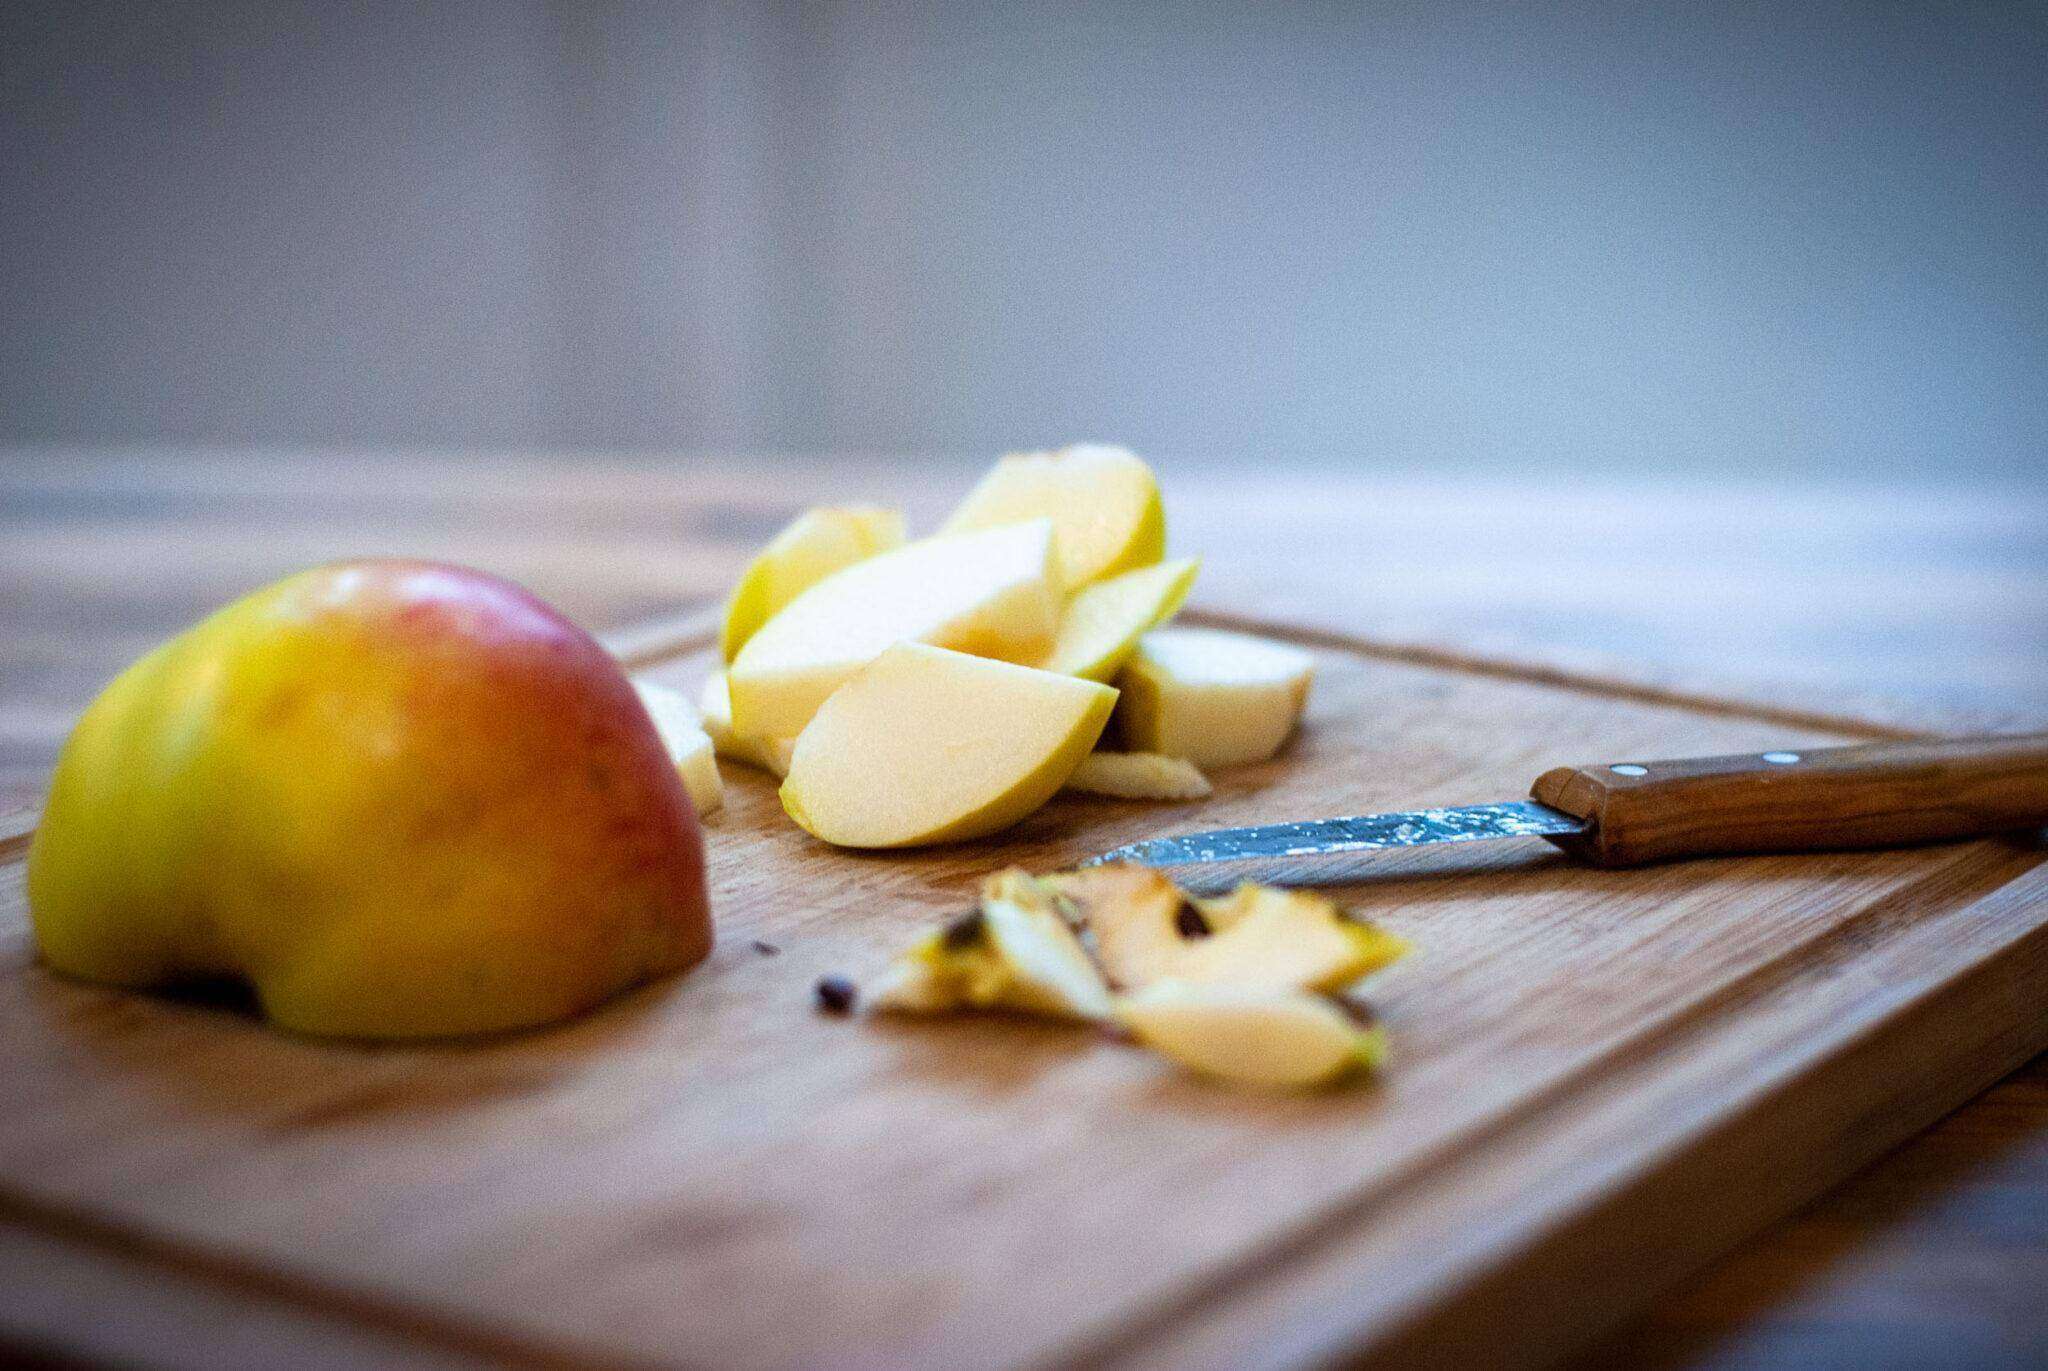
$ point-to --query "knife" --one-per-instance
(1630, 813)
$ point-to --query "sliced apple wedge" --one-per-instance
(714, 704)
(993, 593)
(1138, 776)
(688, 744)
(816, 543)
(1145, 930)
(1218, 699)
(1104, 501)
(925, 745)
(1014, 952)
(1277, 1038)
(1100, 626)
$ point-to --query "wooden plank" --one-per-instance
(1934, 1256)
(103, 1298)
(708, 1173)
(1650, 1172)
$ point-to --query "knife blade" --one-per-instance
(1358, 833)
(1628, 813)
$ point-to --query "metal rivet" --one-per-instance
(1781, 758)
(1629, 769)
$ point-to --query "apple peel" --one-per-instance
(1016, 951)
(1250, 1008)
(1259, 1036)
(1144, 930)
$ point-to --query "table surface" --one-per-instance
(1920, 606)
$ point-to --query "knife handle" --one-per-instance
(1876, 795)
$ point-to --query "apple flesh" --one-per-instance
(993, 593)
(1275, 1038)
(687, 744)
(1101, 624)
(1103, 500)
(1218, 699)
(926, 746)
(816, 543)
(714, 706)
(1139, 776)
(399, 799)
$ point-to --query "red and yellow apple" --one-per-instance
(398, 799)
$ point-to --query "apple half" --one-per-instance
(1101, 624)
(1254, 1035)
(1103, 500)
(926, 745)
(816, 543)
(993, 593)
(1216, 698)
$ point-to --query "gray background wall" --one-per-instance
(1746, 237)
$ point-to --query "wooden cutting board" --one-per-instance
(1600, 1080)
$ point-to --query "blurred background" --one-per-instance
(1745, 238)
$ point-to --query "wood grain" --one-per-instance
(710, 1174)
(1816, 607)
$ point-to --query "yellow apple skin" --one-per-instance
(1103, 500)
(400, 799)
(816, 543)
(1279, 1039)
(1101, 624)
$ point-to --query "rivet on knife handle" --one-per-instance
(1877, 795)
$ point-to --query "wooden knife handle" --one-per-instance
(1878, 795)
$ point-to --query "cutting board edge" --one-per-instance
(1601, 1218)
(310, 1307)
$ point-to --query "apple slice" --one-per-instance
(1104, 501)
(1138, 776)
(1101, 624)
(1218, 699)
(1014, 952)
(1257, 1036)
(926, 745)
(1258, 937)
(686, 742)
(816, 543)
(714, 703)
(993, 593)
